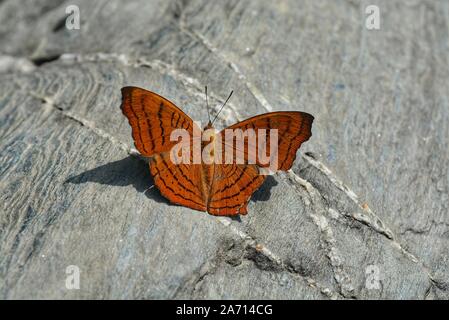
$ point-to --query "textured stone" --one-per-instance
(369, 191)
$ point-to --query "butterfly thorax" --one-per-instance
(208, 147)
(209, 126)
(208, 138)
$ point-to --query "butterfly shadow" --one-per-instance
(124, 172)
(134, 171)
(264, 192)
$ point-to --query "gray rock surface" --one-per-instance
(369, 191)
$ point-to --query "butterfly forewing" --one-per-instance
(293, 128)
(152, 118)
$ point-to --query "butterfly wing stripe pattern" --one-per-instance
(152, 118)
(234, 184)
(232, 188)
(293, 127)
(220, 189)
(181, 184)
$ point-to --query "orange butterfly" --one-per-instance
(220, 189)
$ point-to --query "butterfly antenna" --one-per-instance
(207, 104)
(222, 106)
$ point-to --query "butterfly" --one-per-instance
(222, 189)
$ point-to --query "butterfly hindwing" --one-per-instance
(232, 187)
(180, 183)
